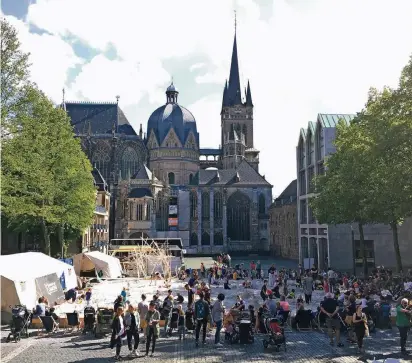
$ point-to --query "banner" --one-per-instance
(173, 222)
(49, 286)
(172, 210)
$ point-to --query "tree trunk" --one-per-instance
(394, 227)
(363, 251)
(60, 237)
(46, 237)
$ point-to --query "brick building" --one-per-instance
(283, 224)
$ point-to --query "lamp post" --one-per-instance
(353, 250)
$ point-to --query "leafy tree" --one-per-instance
(342, 192)
(387, 123)
(46, 177)
(14, 75)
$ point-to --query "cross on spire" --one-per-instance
(235, 21)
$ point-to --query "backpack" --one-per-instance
(200, 310)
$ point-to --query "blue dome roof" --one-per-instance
(172, 115)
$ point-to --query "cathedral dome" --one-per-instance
(172, 115)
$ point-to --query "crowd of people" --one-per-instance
(348, 302)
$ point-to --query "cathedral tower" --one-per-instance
(237, 118)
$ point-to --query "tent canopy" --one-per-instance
(28, 265)
(109, 265)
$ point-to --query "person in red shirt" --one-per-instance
(326, 286)
(252, 265)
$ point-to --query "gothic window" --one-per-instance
(193, 204)
(101, 161)
(218, 206)
(205, 239)
(262, 207)
(218, 239)
(238, 129)
(190, 178)
(205, 205)
(193, 239)
(130, 162)
(238, 217)
(171, 177)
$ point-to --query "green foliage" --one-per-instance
(46, 177)
(14, 74)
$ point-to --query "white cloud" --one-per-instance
(50, 56)
(309, 57)
(197, 66)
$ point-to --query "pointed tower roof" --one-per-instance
(225, 96)
(234, 93)
(248, 95)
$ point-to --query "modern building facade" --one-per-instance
(163, 184)
(337, 246)
(284, 224)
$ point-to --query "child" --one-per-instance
(326, 286)
(124, 294)
(228, 322)
(291, 295)
(181, 328)
(88, 295)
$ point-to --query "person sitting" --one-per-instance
(228, 324)
(227, 285)
(247, 284)
(40, 309)
(180, 299)
(239, 305)
(291, 295)
(71, 294)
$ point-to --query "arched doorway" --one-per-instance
(238, 217)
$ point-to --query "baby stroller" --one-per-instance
(89, 319)
(174, 319)
(21, 318)
(104, 322)
(276, 335)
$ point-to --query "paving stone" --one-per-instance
(308, 347)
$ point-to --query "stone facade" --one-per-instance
(331, 245)
(283, 224)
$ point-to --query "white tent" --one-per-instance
(109, 265)
(27, 276)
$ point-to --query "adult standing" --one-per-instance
(330, 308)
(202, 312)
(152, 331)
(314, 272)
(263, 291)
(167, 311)
(403, 316)
(142, 309)
(132, 323)
(359, 322)
(118, 331)
(259, 270)
(332, 280)
(217, 315)
(308, 287)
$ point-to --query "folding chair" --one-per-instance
(73, 321)
(49, 324)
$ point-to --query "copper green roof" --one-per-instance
(331, 120)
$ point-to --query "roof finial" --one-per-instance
(64, 92)
(117, 99)
(235, 21)
(172, 79)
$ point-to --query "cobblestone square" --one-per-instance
(308, 347)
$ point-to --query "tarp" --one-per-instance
(109, 265)
(27, 276)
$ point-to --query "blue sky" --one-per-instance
(302, 57)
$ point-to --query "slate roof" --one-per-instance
(140, 193)
(144, 173)
(98, 117)
(99, 181)
(172, 115)
(228, 177)
(288, 196)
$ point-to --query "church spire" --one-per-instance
(234, 94)
(248, 95)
